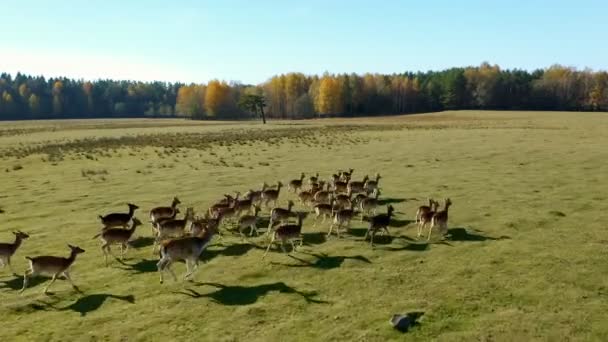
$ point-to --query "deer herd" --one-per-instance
(339, 200)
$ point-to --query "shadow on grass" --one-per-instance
(461, 234)
(315, 238)
(92, 302)
(245, 295)
(143, 266)
(142, 241)
(324, 261)
(400, 223)
(17, 282)
(82, 305)
(230, 250)
(387, 201)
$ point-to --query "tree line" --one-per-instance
(296, 95)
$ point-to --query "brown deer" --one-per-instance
(287, 232)
(117, 236)
(119, 219)
(188, 249)
(7, 250)
(296, 184)
(379, 222)
(53, 266)
(440, 219)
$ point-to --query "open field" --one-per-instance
(526, 260)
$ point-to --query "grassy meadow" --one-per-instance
(526, 259)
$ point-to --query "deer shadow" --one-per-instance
(315, 238)
(142, 241)
(387, 201)
(82, 305)
(17, 282)
(400, 223)
(462, 234)
(246, 295)
(93, 302)
(230, 250)
(142, 266)
(324, 261)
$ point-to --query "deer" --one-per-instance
(424, 209)
(173, 227)
(339, 185)
(164, 212)
(372, 184)
(188, 249)
(118, 236)
(287, 232)
(296, 184)
(379, 222)
(306, 197)
(119, 219)
(7, 250)
(53, 266)
(271, 195)
(346, 175)
(343, 200)
(368, 205)
(313, 179)
(341, 218)
(242, 205)
(440, 219)
(201, 223)
(357, 186)
(279, 214)
(323, 209)
(163, 219)
(323, 196)
(426, 216)
(250, 221)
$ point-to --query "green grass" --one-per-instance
(527, 258)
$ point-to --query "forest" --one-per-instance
(297, 96)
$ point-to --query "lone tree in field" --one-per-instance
(254, 103)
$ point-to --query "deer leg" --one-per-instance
(283, 246)
(67, 276)
(430, 231)
(8, 262)
(105, 254)
(46, 289)
(269, 244)
(26, 275)
(168, 267)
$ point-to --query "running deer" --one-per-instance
(357, 186)
(287, 232)
(272, 195)
(379, 222)
(119, 219)
(117, 236)
(341, 218)
(173, 228)
(279, 214)
(164, 212)
(323, 209)
(188, 249)
(296, 184)
(372, 184)
(368, 205)
(424, 209)
(7, 250)
(313, 179)
(250, 221)
(440, 219)
(426, 216)
(53, 266)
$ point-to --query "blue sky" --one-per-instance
(249, 41)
